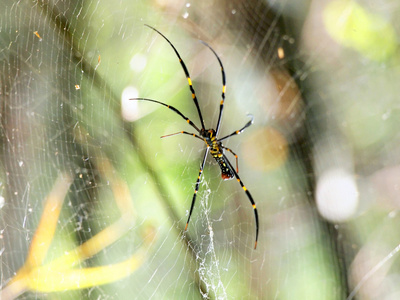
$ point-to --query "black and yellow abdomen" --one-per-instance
(226, 171)
(217, 154)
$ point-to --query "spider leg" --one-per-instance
(171, 108)
(235, 155)
(238, 131)
(184, 132)
(253, 204)
(186, 74)
(221, 104)
(196, 187)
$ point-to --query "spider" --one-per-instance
(209, 136)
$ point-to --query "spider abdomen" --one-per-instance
(216, 152)
(226, 171)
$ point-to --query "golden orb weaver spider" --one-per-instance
(209, 136)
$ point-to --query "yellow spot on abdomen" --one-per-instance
(189, 81)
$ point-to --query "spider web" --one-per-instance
(321, 159)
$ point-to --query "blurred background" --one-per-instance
(84, 173)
